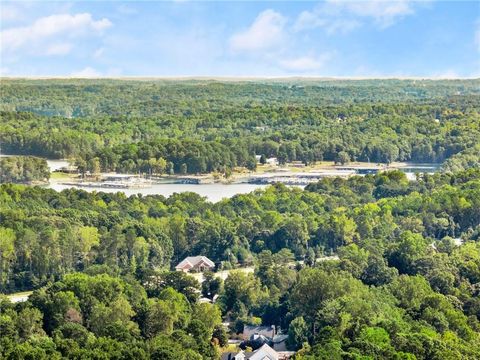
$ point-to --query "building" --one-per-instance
(263, 353)
(272, 161)
(256, 336)
(252, 331)
(120, 177)
(195, 264)
(280, 342)
(68, 169)
(234, 355)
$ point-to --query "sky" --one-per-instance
(333, 38)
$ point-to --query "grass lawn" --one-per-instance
(61, 176)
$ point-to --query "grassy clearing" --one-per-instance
(61, 176)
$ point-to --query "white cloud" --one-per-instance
(271, 41)
(4, 71)
(87, 72)
(344, 16)
(309, 20)
(46, 28)
(385, 13)
(342, 26)
(305, 63)
(266, 32)
(59, 49)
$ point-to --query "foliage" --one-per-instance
(23, 169)
(400, 288)
(403, 281)
(202, 126)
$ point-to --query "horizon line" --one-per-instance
(231, 78)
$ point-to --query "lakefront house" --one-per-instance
(195, 264)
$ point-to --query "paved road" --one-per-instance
(222, 274)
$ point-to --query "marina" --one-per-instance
(292, 178)
(114, 181)
(216, 190)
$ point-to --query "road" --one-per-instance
(223, 274)
(19, 297)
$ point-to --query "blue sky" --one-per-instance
(191, 38)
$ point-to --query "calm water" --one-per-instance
(213, 192)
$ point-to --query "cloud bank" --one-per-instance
(266, 32)
(46, 32)
(344, 16)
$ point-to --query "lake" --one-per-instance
(213, 192)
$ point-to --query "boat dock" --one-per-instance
(114, 181)
(294, 178)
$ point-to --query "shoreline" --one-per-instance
(265, 175)
(295, 173)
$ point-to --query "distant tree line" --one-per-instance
(212, 126)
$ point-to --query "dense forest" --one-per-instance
(204, 126)
(368, 267)
(405, 285)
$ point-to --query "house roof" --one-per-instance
(192, 261)
(259, 337)
(249, 330)
(264, 353)
(279, 338)
(256, 341)
(232, 355)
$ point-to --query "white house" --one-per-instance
(263, 353)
